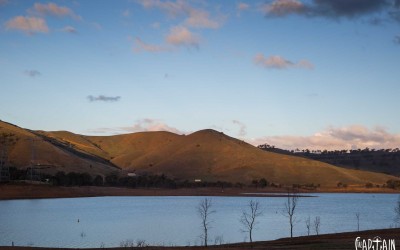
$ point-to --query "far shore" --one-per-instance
(37, 191)
(317, 242)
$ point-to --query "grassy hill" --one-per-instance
(211, 155)
(207, 155)
(382, 161)
(25, 148)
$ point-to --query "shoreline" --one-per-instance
(344, 240)
(43, 191)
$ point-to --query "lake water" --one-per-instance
(174, 221)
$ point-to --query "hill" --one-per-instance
(210, 155)
(27, 149)
(207, 155)
(382, 161)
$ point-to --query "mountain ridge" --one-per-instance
(207, 154)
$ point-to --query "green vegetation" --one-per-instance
(378, 160)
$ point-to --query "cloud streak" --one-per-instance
(279, 62)
(70, 29)
(53, 9)
(182, 36)
(327, 8)
(148, 124)
(32, 73)
(103, 98)
(141, 46)
(143, 125)
(283, 7)
(29, 25)
(194, 17)
(242, 128)
(333, 138)
(397, 39)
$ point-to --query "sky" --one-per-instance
(317, 74)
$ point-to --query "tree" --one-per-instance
(263, 182)
(308, 225)
(397, 211)
(290, 208)
(358, 221)
(317, 224)
(98, 180)
(204, 210)
(248, 218)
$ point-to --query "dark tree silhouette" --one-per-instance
(308, 225)
(290, 208)
(317, 224)
(249, 217)
(204, 210)
(397, 211)
(358, 221)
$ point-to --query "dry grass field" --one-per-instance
(207, 155)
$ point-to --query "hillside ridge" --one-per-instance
(208, 155)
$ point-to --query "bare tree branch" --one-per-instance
(308, 225)
(248, 218)
(204, 211)
(397, 212)
(317, 224)
(290, 208)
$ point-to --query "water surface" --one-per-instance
(174, 220)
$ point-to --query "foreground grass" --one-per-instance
(320, 242)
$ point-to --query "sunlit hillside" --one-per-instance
(207, 155)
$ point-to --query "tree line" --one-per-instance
(377, 160)
(251, 214)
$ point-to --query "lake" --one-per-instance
(106, 221)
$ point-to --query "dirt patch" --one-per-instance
(321, 242)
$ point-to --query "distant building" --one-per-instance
(197, 180)
(132, 174)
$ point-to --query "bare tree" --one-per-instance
(308, 225)
(317, 224)
(248, 218)
(358, 221)
(204, 209)
(397, 211)
(290, 208)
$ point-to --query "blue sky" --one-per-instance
(292, 73)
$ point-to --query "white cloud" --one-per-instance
(70, 29)
(173, 9)
(155, 25)
(283, 7)
(201, 19)
(32, 73)
(103, 98)
(279, 62)
(397, 39)
(144, 125)
(242, 6)
(151, 125)
(351, 137)
(126, 13)
(53, 10)
(194, 17)
(28, 25)
(305, 64)
(242, 128)
(182, 36)
(142, 46)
